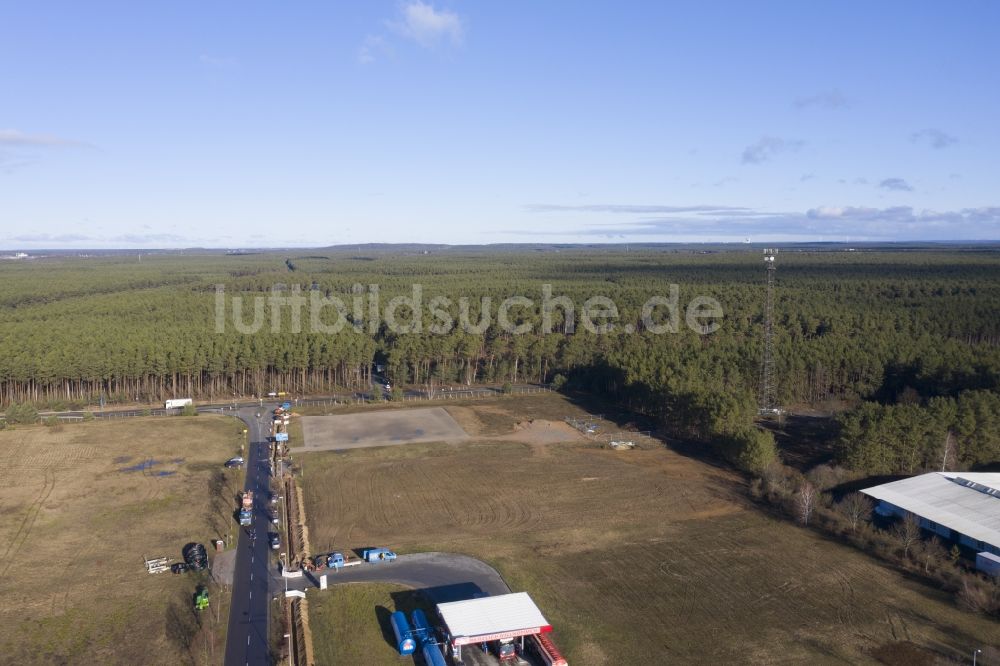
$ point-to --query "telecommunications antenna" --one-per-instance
(766, 401)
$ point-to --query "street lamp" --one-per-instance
(975, 653)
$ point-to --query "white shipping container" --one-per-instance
(178, 402)
(988, 563)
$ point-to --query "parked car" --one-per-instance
(274, 539)
(378, 555)
(178, 568)
(235, 462)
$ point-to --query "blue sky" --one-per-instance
(253, 123)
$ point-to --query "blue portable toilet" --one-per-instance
(404, 635)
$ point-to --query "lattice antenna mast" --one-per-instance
(766, 400)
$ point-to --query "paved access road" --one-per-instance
(246, 643)
(441, 576)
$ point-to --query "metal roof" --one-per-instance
(492, 618)
(966, 502)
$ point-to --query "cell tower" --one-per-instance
(766, 399)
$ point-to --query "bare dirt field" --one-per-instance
(640, 556)
(83, 503)
(379, 428)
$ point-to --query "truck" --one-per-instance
(201, 598)
(177, 403)
(333, 560)
(375, 555)
(246, 508)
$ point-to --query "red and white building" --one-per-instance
(501, 618)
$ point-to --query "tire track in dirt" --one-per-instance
(24, 530)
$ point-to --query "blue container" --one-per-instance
(432, 655)
(421, 627)
(420, 620)
(404, 635)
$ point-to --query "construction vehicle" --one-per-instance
(201, 598)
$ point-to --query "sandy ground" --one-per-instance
(379, 428)
(223, 567)
(434, 424)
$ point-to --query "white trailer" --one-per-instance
(178, 402)
(988, 563)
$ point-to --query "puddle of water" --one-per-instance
(139, 467)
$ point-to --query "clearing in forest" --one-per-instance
(642, 556)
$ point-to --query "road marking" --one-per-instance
(248, 642)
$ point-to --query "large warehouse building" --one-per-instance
(960, 507)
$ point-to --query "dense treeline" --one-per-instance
(952, 433)
(896, 327)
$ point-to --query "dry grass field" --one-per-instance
(635, 557)
(82, 505)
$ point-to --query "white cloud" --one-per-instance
(428, 26)
(933, 137)
(767, 147)
(373, 48)
(897, 184)
(15, 139)
(858, 222)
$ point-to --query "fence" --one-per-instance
(428, 396)
(357, 399)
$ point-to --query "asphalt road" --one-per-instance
(441, 576)
(246, 643)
